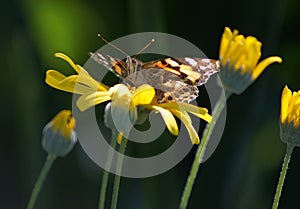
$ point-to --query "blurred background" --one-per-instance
(241, 174)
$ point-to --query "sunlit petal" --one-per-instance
(195, 110)
(168, 119)
(185, 118)
(143, 95)
(68, 59)
(86, 101)
(263, 64)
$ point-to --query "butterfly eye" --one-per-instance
(170, 98)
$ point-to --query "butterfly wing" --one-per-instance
(115, 65)
(205, 67)
(193, 71)
(169, 87)
(174, 80)
(120, 68)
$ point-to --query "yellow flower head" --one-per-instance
(124, 101)
(239, 58)
(58, 135)
(290, 107)
(290, 117)
(121, 113)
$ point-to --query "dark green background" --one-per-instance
(242, 173)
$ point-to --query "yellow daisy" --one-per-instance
(239, 58)
(124, 101)
(290, 117)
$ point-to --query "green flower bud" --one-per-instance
(59, 136)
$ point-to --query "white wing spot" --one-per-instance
(202, 67)
(101, 56)
(172, 63)
(191, 61)
(105, 62)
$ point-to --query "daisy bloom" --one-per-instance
(239, 58)
(122, 111)
(290, 117)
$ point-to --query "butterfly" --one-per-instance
(174, 79)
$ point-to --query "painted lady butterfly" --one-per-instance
(175, 79)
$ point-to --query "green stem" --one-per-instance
(104, 182)
(285, 164)
(115, 194)
(39, 183)
(201, 150)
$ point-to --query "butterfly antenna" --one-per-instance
(120, 50)
(145, 47)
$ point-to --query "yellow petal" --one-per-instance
(91, 83)
(226, 40)
(253, 48)
(168, 118)
(198, 111)
(68, 59)
(55, 78)
(144, 94)
(185, 118)
(285, 97)
(89, 100)
(263, 64)
(71, 84)
(233, 48)
(63, 83)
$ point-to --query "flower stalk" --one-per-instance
(240, 67)
(105, 176)
(117, 180)
(201, 151)
(283, 172)
(58, 140)
(39, 183)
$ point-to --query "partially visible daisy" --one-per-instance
(239, 58)
(124, 101)
(289, 133)
(290, 117)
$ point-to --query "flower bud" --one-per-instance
(59, 136)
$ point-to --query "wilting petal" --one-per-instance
(86, 101)
(54, 78)
(185, 118)
(198, 111)
(66, 58)
(168, 119)
(263, 64)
